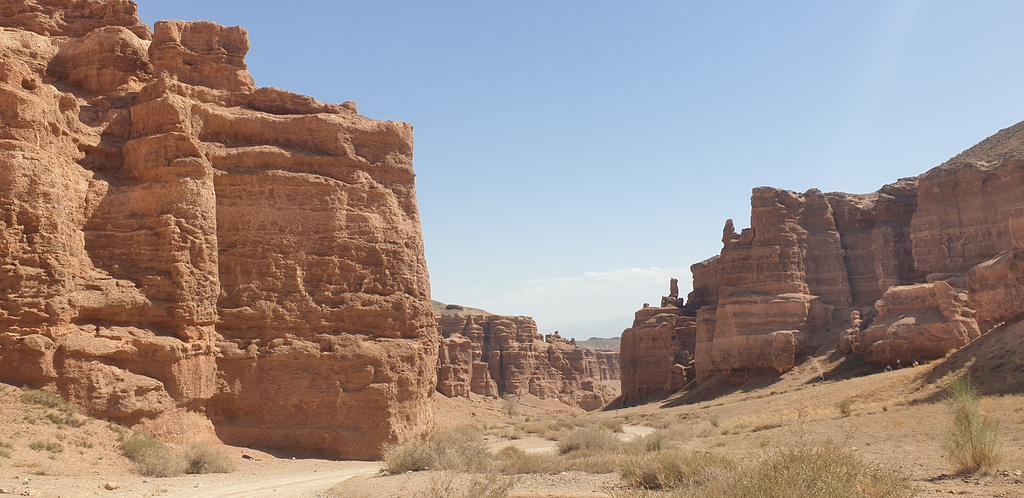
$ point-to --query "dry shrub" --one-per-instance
(822, 470)
(973, 444)
(613, 425)
(409, 456)
(451, 484)
(202, 459)
(512, 460)
(458, 449)
(587, 438)
(593, 460)
(510, 405)
(667, 470)
(151, 457)
(845, 407)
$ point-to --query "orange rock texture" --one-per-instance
(174, 238)
(920, 268)
(494, 355)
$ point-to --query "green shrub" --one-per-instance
(714, 421)
(973, 443)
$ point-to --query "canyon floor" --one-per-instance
(897, 420)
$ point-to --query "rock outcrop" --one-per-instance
(494, 355)
(657, 352)
(922, 267)
(174, 238)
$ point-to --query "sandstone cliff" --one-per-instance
(173, 237)
(493, 355)
(922, 267)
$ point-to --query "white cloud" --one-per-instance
(590, 297)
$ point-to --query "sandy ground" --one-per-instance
(897, 420)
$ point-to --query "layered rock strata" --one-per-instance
(174, 238)
(919, 268)
(657, 352)
(495, 355)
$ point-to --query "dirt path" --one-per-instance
(309, 479)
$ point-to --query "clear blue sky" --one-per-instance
(571, 156)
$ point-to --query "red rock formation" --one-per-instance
(172, 237)
(491, 354)
(917, 269)
(659, 339)
(916, 322)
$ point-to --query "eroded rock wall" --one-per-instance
(911, 272)
(660, 339)
(172, 237)
(493, 355)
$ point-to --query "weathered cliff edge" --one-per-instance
(493, 355)
(174, 238)
(919, 268)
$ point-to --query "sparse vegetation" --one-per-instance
(587, 438)
(824, 469)
(151, 457)
(451, 484)
(973, 443)
(201, 459)
(821, 470)
(714, 421)
(457, 449)
(51, 446)
(667, 470)
(47, 399)
(845, 407)
(66, 419)
(510, 405)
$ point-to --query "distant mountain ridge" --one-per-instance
(600, 344)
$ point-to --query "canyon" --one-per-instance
(494, 355)
(907, 274)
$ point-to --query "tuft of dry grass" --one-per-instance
(973, 443)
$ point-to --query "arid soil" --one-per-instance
(897, 420)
